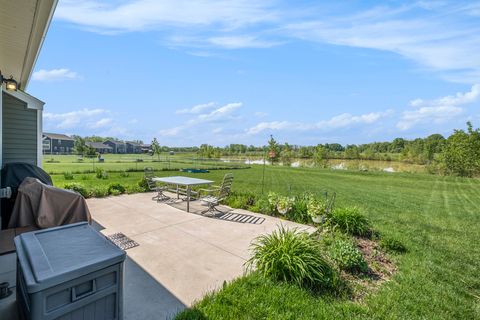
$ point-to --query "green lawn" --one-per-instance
(120, 162)
(437, 218)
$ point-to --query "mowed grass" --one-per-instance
(126, 162)
(437, 218)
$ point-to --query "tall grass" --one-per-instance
(292, 256)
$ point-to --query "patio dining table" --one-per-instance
(183, 181)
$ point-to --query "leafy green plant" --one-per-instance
(124, 174)
(261, 206)
(316, 209)
(99, 192)
(68, 175)
(347, 256)
(116, 189)
(292, 256)
(77, 187)
(101, 174)
(350, 220)
(272, 198)
(84, 177)
(241, 200)
(143, 184)
(284, 204)
(299, 210)
(392, 245)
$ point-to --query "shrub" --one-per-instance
(350, 220)
(99, 192)
(347, 256)
(124, 174)
(143, 184)
(299, 210)
(116, 189)
(316, 208)
(284, 204)
(101, 174)
(392, 245)
(77, 187)
(133, 189)
(243, 200)
(291, 256)
(272, 200)
(68, 175)
(262, 206)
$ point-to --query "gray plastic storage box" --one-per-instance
(69, 272)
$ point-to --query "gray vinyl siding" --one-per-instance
(19, 131)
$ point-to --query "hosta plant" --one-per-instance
(284, 204)
(317, 209)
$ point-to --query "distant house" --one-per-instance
(117, 146)
(57, 143)
(133, 147)
(146, 148)
(99, 147)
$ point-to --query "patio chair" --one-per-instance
(153, 186)
(216, 194)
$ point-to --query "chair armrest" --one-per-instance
(209, 191)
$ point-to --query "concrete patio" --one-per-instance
(181, 256)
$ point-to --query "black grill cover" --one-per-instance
(12, 176)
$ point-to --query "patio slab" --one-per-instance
(186, 253)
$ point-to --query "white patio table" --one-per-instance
(183, 181)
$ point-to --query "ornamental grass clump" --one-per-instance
(292, 256)
(350, 220)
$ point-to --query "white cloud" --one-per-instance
(218, 114)
(102, 123)
(54, 75)
(437, 115)
(458, 99)
(142, 15)
(439, 39)
(344, 120)
(72, 119)
(260, 114)
(438, 110)
(440, 36)
(273, 125)
(197, 109)
(238, 42)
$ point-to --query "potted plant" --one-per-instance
(284, 204)
(316, 210)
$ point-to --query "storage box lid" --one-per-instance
(52, 256)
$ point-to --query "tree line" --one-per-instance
(459, 154)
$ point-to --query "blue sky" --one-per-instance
(236, 71)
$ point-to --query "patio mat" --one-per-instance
(225, 213)
(240, 217)
(122, 241)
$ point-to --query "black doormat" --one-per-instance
(122, 241)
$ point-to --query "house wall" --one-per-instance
(59, 146)
(116, 147)
(19, 131)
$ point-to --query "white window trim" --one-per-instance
(31, 101)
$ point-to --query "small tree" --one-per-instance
(320, 156)
(273, 150)
(286, 155)
(79, 145)
(461, 154)
(156, 148)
